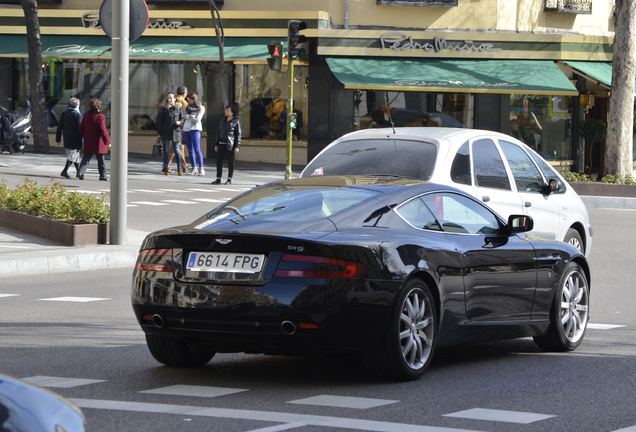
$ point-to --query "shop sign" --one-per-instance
(455, 84)
(77, 49)
(401, 42)
(91, 20)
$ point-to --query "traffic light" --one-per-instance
(293, 119)
(275, 60)
(294, 39)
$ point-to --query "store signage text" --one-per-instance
(91, 20)
(452, 83)
(82, 49)
(401, 41)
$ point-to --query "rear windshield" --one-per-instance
(284, 204)
(404, 158)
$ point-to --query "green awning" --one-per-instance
(151, 47)
(601, 72)
(446, 75)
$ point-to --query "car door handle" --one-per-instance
(485, 198)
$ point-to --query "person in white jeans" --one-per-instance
(192, 128)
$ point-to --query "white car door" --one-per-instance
(546, 209)
(490, 179)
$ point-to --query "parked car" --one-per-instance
(25, 407)
(501, 171)
(384, 267)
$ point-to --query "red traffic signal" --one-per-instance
(275, 61)
(295, 38)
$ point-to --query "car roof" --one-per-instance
(431, 134)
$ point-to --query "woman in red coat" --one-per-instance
(96, 139)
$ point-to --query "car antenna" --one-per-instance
(388, 110)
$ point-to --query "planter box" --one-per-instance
(604, 189)
(65, 233)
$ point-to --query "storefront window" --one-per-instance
(543, 123)
(149, 82)
(256, 87)
(374, 108)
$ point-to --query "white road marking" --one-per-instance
(60, 382)
(196, 391)
(8, 295)
(16, 247)
(149, 203)
(174, 190)
(265, 416)
(500, 415)
(627, 429)
(343, 401)
(74, 299)
(204, 190)
(146, 190)
(603, 326)
(210, 200)
(178, 202)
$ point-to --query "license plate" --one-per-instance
(225, 262)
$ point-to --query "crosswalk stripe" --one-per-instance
(343, 401)
(597, 326)
(149, 203)
(500, 415)
(74, 299)
(178, 202)
(195, 391)
(175, 190)
(210, 200)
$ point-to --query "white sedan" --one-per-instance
(501, 171)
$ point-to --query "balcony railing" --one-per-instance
(569, 6)
(416, 2)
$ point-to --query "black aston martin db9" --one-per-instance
(381, 266)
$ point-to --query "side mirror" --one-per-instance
(552, 186)
(520, 223)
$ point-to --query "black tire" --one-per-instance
(175, 352)
(409, 343)
(574, 238)
(569, 312)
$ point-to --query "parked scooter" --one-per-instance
(15, 127)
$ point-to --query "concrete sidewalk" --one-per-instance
(24, 255)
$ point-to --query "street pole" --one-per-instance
(119, 121)
(290, 109)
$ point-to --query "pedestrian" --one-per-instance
(192, 128)
(69, 127)
(169, 122)
(180, 98)
(96, 139)
(228, 141)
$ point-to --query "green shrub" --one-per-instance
(614, 179)
(570, 176)
(55, 202)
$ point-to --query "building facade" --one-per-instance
(534, 69)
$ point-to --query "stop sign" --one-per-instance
(139, 18)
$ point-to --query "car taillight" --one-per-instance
(303, 266)
(159, 260)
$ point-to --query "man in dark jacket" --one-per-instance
(68, 126)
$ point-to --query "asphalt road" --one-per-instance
(76, 334)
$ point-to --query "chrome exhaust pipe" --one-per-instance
(157, 320)
(288, 327)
